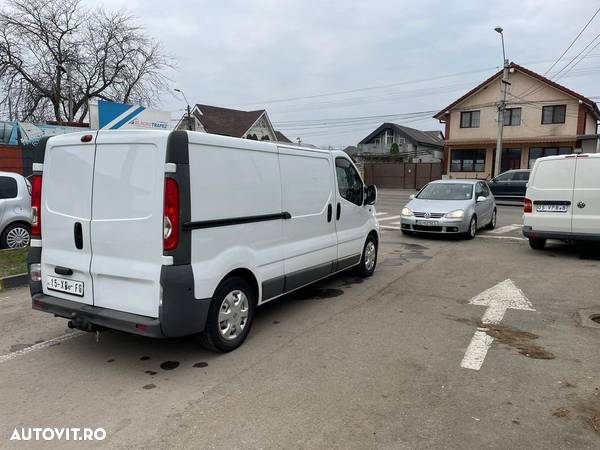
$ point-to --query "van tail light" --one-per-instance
(528, 206)
(36, 206)
(171, 215)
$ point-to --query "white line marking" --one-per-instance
(40, 346)
(395, 223)
(380, 214)
(389, 218)
(389, 228)
(506, 229)
(498, 299)
(513, 238)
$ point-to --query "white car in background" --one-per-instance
(15, 210)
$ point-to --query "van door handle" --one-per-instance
(78, 235)
(338, 212)
(59, 270)
(329, 212)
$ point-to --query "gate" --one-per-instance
(400, 175)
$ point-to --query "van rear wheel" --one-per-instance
(537, 243)
(368, 261)
(230, 316)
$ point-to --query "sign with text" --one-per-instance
(114, 116)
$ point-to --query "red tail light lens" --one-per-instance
(36, 206)
(171, 215)
(527, 206)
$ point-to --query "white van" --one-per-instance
(563, 200)
(173, 233)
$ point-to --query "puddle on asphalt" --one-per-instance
(522, 341)
(169, 365)
(313, 293)
(405, 255)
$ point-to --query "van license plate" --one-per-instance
(428, 223)
(551, 208)
(63, 285)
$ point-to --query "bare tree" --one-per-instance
(56, 55)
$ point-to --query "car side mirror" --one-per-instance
(412, 196)
(370, 195)
(481, 198)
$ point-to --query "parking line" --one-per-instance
(41, 345)
(389, 218)
(385, 227)
(381, 214)
(506, 229)
(513, 238)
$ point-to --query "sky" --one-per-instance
(399, 59)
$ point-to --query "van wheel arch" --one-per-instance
(246, 275)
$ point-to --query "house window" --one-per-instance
(539, 152)
(469, 119)
(389, 138)
(554, 114)
(512, 117)
(511, 159)
(401, 141)
(467, 161)
(377, 141)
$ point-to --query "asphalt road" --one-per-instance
(349, 363)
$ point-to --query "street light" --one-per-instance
(189, 114)
(501, 107)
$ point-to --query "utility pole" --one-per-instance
(189, 113)
(501, 107)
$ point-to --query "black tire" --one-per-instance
(15, 235)
(212, 338)
(537, 243)
(492, 224)
(470, 234)
(368, 263)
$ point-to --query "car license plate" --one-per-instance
(63, 285)
(428, 223)
(551, 208)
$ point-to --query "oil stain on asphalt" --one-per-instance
(313, 293)
(149, 386)
(169, 365)
(201, 364)
(522, 341)
(405, 255)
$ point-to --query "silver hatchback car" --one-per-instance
(452, 207)
(15, 210)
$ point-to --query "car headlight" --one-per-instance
(407, 212)
(458, 214)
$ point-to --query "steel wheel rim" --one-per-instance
(17, 238)
(233, 315)
(370, 254)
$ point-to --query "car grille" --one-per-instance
(430, 216)
(430, 229)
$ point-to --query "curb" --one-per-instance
(14, 281)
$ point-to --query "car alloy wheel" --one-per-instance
(17, 237)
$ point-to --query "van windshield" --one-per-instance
(446, 191)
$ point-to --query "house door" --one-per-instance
(511, 159)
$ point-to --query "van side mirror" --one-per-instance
(412, 196)
(370, 195)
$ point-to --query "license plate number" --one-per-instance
(63, 285)
(428, 223)
(551, 208)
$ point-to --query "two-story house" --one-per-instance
(232, 122)
(541, 118)
(408, 143)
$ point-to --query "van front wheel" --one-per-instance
(230, 316)
(368, 260)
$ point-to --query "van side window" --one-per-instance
(8, 188)
(349, 182)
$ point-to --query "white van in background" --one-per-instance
(174, 233)
(563, 200)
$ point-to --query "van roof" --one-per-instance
(572, 155)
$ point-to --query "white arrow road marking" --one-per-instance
(388, 218)
(506, 229)
(498, 299)
(41, 345)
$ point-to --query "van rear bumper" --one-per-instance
(529, 232)
(180, 313)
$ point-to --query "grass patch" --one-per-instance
(13, 261)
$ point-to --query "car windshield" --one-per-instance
(446, 191)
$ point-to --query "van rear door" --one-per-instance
(127, 220)
(65, 218)
(586, 195)
(551, 191)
